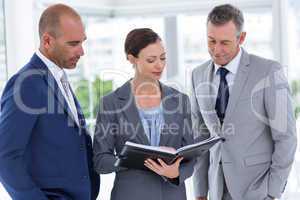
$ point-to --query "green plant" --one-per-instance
(98, 89)
(295, 87)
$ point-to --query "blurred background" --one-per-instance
(272, 26)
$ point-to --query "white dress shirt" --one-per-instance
(232, 67)
(58, 73)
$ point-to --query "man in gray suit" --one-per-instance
(245, 99)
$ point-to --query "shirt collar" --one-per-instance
(54, 69)
(233, 65)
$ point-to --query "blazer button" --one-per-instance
(84, 177)
(81, 147)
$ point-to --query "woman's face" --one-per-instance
(150, 62)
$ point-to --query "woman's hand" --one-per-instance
(169, 171)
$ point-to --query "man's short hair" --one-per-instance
(50, 18)
(225, 13)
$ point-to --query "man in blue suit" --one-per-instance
(45, 148)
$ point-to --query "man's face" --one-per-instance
(66, 49)
(223, 42)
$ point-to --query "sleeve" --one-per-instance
(20, 105)
(186, 169)
(200, 176)
(104, 140)
(281, 121)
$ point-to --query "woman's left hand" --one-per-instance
(169, 171)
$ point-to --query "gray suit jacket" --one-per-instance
(259, 129)
(118, 121)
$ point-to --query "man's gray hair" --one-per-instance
(225, 13)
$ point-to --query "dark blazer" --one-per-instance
(44, 154)
(118, 121)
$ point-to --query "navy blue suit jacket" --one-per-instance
(44, 154)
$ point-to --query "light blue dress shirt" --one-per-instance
(152, 120)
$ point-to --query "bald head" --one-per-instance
(51, 19)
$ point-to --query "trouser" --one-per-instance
(226, 194)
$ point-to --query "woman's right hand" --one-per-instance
(163, 169)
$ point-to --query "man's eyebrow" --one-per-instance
(225, 40)
(221, 40)
(76, 41)
(151, 56)
(73, 42)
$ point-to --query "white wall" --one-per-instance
(20, 43)
(82, 3)
(154, 7)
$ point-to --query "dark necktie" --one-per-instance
(223, 94)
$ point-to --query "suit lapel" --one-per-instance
(127, 105)
(81, 118)
(54, 89)
(170, 103)
(239, 83)
(206, 93)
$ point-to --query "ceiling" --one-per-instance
(115, 8)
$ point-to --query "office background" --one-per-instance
(272, 27)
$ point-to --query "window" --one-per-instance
(194, 39)
(294, 52)
(3, 74)
(3, 70)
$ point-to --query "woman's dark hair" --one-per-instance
(137, 39)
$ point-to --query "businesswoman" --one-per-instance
(144, 111)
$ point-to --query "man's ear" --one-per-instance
(47, 40)
(242, 38)
(131, 59)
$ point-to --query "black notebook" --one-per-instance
(133, 155)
